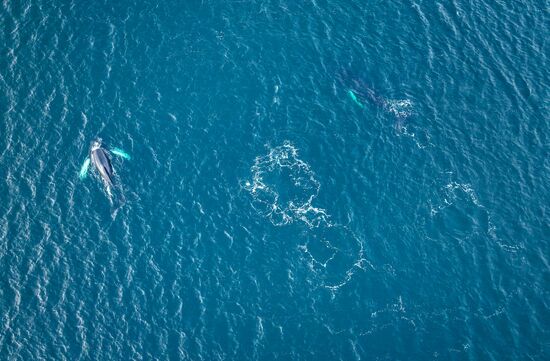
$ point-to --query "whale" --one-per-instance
(362, 94)
(101, 161)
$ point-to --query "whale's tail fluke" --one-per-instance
(84, 169)
(120, 153)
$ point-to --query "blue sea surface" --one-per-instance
(309, 180)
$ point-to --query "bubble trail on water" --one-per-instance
(283, 189)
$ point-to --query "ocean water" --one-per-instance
(310, 180)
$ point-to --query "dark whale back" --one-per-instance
(101, 161)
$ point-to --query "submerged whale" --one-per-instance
(360, 91)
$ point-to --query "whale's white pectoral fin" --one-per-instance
(120, 153)
(84, 169)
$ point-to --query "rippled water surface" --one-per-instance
(310, 180)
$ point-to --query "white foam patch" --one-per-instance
(459, 200)
(453, 191)
(283, 189)
(334, 253)
(422, 140)
(401, 108)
